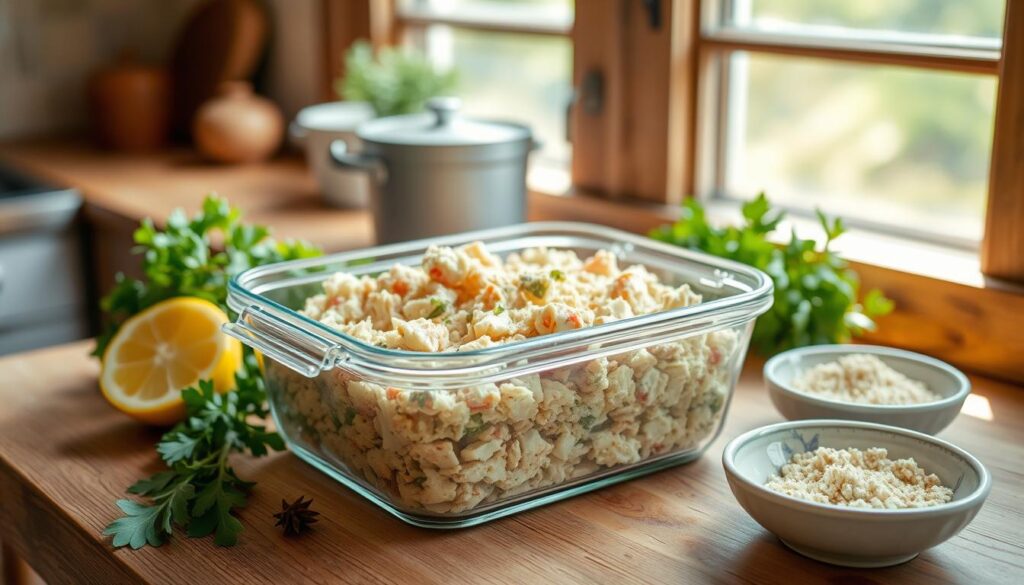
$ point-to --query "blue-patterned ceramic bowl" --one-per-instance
(853, 537)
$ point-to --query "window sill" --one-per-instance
(945, 306)
(863, 247)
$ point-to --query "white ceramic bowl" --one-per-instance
(853, 537)
(315, 128)
(930, 417)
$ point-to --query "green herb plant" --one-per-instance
(199, 492)
(815, 290)
(394, 81)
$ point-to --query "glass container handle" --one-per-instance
(283, 342)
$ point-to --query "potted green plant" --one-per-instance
(393, 81)
(817, 296)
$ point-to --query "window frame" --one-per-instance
(647, 142)
(406, 17)
(720, 41)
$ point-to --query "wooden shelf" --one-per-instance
(121, 189)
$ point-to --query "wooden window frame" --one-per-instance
(659, 150)
(1001, 247)
(347, 21)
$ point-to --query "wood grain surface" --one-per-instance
(1002, 250)
(65, 457)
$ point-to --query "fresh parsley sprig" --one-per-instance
(200, 491)
(815, 290)
(181, 261)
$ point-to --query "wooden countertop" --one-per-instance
(67, 456)
(121, 189)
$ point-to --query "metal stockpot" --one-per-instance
(438, 173)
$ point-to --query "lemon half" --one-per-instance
(169, 346)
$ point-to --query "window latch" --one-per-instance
(592, 92)
(653, 13)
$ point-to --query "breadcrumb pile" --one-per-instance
(859, 479)
(864, 379)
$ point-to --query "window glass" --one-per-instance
(517, 77)
(960, 18)
(892, 146)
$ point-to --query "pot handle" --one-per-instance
(296, 132)
(353, 160)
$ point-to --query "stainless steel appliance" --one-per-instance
(42, 277)
(439, 173)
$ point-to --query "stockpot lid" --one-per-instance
(441, 125)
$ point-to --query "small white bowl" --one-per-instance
(853, 537)
(929, 417)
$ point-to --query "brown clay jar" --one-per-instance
(237, 126)
(131, 105)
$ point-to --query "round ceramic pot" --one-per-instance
(237, 126)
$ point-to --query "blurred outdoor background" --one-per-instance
(889, 146)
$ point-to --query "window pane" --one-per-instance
(972, 18)
(558, 13)
(517, 77)
(886, 145)
(546, 7)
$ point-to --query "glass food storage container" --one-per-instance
(453, 439)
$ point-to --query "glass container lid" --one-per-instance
(269, 299)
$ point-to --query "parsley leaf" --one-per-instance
(537, 286)
(140, 525)
(499, 310)
(181, 261)
(475, 425)
(176, 447)
(439, 308)
(557, 275)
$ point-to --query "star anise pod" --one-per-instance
(296, 516)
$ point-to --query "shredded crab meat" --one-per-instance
(452, 450)
(473, 294)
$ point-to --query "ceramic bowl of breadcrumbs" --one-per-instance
(855, 494)
(866, 383)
